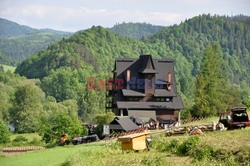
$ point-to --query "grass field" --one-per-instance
(235, 142)
(10, 68)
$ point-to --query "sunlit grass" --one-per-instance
(110, 153)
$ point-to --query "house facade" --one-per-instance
(145, 88)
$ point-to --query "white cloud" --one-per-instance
(76, 18)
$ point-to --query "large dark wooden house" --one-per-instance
(146, 88)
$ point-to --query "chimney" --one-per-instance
(128, 78)
(169, 80)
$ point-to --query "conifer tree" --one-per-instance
(211, 84)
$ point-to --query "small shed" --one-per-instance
(122, 124)
(134, 141)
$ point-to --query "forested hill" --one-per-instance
(20, 47)
(191, 37)
(17, 42)
(98, 47)
(135, 30)
(10, 28)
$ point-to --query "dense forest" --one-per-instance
(17, 42)
(19, 48)
(135, 30)
(57, 75)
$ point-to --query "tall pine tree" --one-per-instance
(211, 84)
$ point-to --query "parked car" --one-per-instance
(85, 139)
(236, 118)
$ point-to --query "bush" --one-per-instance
(173, 145)
(20, 138)
(102, 119)
(205, 152)
(4, 133)
(59, 124)
(188, 145)
(35, 141)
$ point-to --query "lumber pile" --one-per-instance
(190, 129)
(18, 150)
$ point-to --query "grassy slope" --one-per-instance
(204, 121)
(99, 154)
(11, 68)
(90, 154)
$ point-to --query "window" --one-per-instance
(128, 78)
(158, 99)
(134, 98)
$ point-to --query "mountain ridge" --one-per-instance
(11, 28)
(17, 41)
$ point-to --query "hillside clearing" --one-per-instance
(10, 68)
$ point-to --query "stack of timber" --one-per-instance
(18, 150)
(188, 129)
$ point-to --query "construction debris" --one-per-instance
(196, 131)
(188, 129)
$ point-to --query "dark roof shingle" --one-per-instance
(125, 123)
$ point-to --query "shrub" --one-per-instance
(59, 124)
(4, 133)
(173, 145)
(35, 141)
(102, 119)
(205, 152)
(20, 138)
(188, 145)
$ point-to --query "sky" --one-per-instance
(74, 15)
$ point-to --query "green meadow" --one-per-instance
(230, 147)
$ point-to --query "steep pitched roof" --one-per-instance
(125, 123)
(147, 64)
